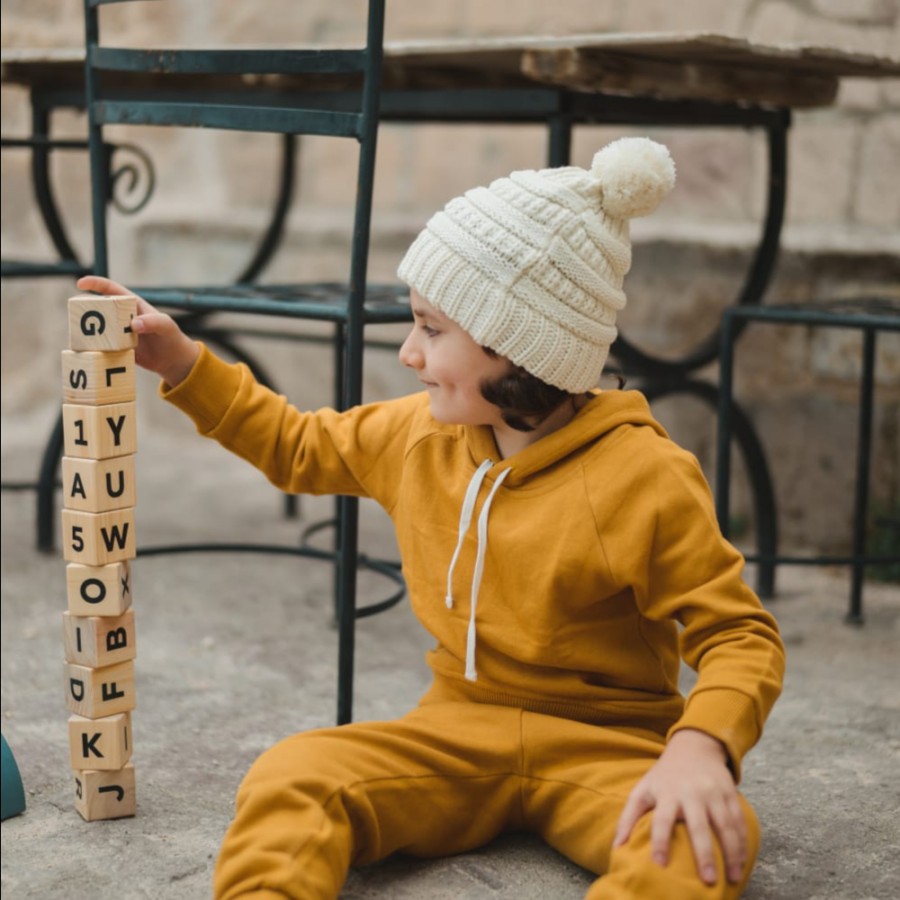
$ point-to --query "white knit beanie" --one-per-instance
(532, 266)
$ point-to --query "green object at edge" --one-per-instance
(13, 794)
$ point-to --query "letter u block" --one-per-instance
(99, 590)
(93, 378)
(105, 795)
(98, 485)
(97, 693)
(99, 432)
(99, 641)
(95, 539)
(102, 744)
(102, 323)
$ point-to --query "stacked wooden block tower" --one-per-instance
(98, 531)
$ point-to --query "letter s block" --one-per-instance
(93, 378)
(99, 432)
(99, 641)
(102, 323)
(99, 590)
(105, 795)
(97, 693)
(98, 485)
(95, 539)
(102, 744)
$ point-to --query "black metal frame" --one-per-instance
(868, 315)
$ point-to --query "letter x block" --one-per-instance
(99, 590)
(102, 323)
(105, 795)
(103, 744)
(95, 378)
(98, 693)
(99, 641)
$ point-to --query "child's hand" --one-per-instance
(162, 347)
(691, 782)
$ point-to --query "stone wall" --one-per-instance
(842, 234)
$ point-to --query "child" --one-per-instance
(560, 617)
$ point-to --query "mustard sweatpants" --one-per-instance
(447, 778)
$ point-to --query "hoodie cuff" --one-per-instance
(207, 392)
(727, 715)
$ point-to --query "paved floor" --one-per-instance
(236, 652)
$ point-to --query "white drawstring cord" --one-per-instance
(465, 520)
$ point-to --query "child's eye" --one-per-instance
(431, 332)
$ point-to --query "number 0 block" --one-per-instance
(95, 539)
(98, 590)
(102, 323)
(95, 378)
(102, 744)
(97, 693)
(99, 432)
(105, 795)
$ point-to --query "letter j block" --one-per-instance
(95, 378)
(105, 795)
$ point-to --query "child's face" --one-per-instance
(452, 367)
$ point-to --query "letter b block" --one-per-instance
(105, 795)
(102, 323)
(98, 485)
(95, 378)
(97, 693)
(102, 744)
(99, 590)
(95, 539)
(99, 432)
(99, 641)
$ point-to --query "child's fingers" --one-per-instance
(697, 823)
(639, 802)
(731, 829)
(100, 285)
(151, 322)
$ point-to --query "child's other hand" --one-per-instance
(691, 782)
(162, 347)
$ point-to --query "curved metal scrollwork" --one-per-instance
(133, 179)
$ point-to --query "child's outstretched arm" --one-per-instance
(162, 347)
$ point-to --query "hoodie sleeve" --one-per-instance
(695, 577)
(358, 452)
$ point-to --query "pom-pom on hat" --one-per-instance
(532, 266)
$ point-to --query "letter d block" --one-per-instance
(95, 539)
(102, 323)
(97, 693)
(98, 590)
(105, 795)
(99, 432)
(102, 744)
(97, 641)
(98, 485)
(94, 378)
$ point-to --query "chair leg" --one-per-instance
(46, 489)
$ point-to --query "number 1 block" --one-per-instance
(105, 795)
(99, 432)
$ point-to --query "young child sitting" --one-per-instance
(560, 548)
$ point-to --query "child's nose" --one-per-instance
(409, 354)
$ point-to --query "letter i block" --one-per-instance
(102, 744)
(98, 693)
(105, 795)
(95, 378)
(98, 485)
(102, 323)
(99, 641)
(95, 539)
(99, 432)
(99, 590)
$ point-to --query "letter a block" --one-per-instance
(99, 590)
(99, 641)
(97, 693)
(98, 485)
(102, 323)
(105, 795)
(95, 539)
(102, 744)
(99, 432)
(94, 378)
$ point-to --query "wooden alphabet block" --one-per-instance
(102, 744)
(98, 485)
(99, 432)
(105, 795)
(97, 693)
(95, 539)
(99, 641)
(102, 323)
(93, 378)
(99, 590)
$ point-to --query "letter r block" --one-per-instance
(95, 539)
(98, 693)
(102, 744)
(98, 485)
(93, 378)
(105, 795)
(99, 590)
(102, 323)
(99, 432)
(99, 641)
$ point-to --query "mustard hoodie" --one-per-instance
(568, 579)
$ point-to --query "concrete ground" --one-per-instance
(237, 651)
